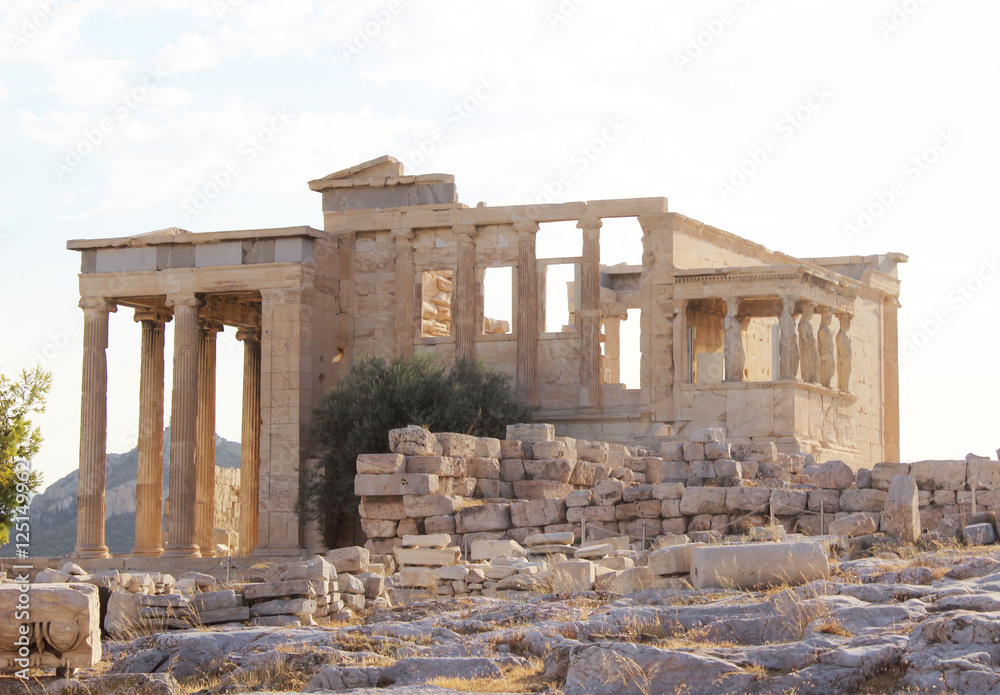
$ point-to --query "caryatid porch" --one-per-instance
(188, 279)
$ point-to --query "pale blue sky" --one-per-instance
(529, 101)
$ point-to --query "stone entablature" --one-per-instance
(401, 266)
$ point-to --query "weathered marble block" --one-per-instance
(531, 433)
(405, 484)
(49, 626)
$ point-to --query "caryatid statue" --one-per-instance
(788, 346)
(824, 340)
(808, 352)
(734, 355)
(844, 354)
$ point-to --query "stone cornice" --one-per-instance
(167, 237)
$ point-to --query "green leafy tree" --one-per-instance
(377, 396)
(19, 441)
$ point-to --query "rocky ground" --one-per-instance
(903, 621)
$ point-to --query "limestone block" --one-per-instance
(826, 500)
(675, 525)
(483, 468)
(630, 581)
(405, 484)
(702, 469)
(349, 584)
(579, 498)
(443, 466)
(728, 468)
(703, 500)
(939, 475)
(617, 563)
(414, 441)
(435, 540)
(882, 474)
(426, 557)
(637, 493)
(484, 517)
(901, 517)
(609, 492)
(269, 590)
(511, 470)
(594, 452)
(417, 577)
(675, 470)
(541, 489)
(979, 534)
(48, 576)
(382, 508)
(563, 538)
(757, 451)
(694, 451)
(488, 448)
(717, 450)
(833, 475)
(538, 512)
(648, 509)
(789, 502)
(758, 565)
(549, 469)
(672, 560)
(853, 525)
(490, 550)
(985, 474)
(420, 506)
(774, 534)
(653, 469)
(668, 491)
(573, 575)
(531, 433)
(670, 508)
(672, 451)
(868, 500)
(454, 444)
(293, 606)
(407, 527)
(381, 463)
(440, 524)
(584, 473)
(350, 559)
(316, 569)
(488, 489)
(606, 512)
(748, 499)
(594, 552)
(379, 528)
(453, 573)
(709, 434)
(511, 449)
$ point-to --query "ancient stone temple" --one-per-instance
(796, 351)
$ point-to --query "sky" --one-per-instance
(813, 127)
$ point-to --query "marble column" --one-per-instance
(788, 346)
(590, 313)
(735, 356)
(183, 428)
(844, 352)
(527, 312)
(204, 504)
(613, 349)
(93, 429)
(405, 280)
(825, 345)
(250, 448)
(808, 352)
(149, 477)
(465, 297)
(890, 371)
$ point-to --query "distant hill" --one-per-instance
(53, 512)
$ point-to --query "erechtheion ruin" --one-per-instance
(798, 352)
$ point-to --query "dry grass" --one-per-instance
(520, 679)
(829, 626)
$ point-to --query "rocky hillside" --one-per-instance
(53, 512)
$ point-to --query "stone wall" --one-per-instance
(534, 482)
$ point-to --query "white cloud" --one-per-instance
(191, 52)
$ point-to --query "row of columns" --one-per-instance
(815, 356)
(191, 519)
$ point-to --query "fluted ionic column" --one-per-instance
(590, 313)
(149, 478)
(183, 428)
(93, 429)
(250, 448)
(788, 345)
(204, 505)
(527, 312)
(465, 298)
(735, 356)
(405, 320)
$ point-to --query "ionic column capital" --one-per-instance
(589, 223)
(248, 334)
(209, 327)
(402, 235)
(153, 314)
(177, 301)
(466, 233)
(96, 306)
(523, 226)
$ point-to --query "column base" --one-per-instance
(99, 552)
(146, 552)
(182, 551)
